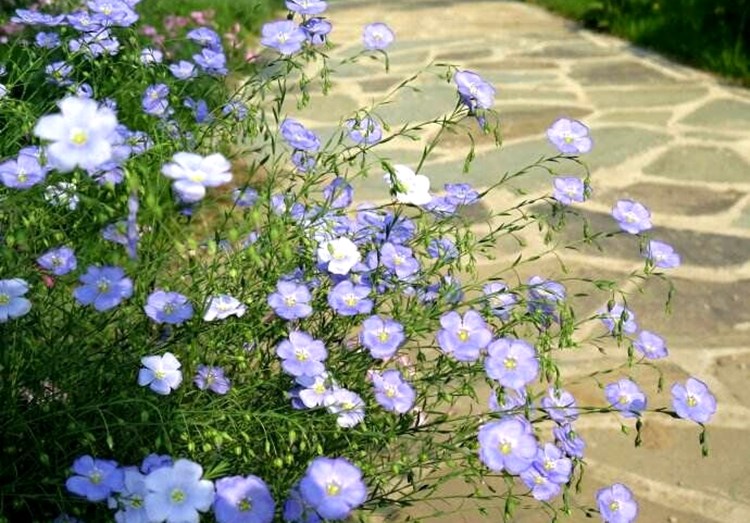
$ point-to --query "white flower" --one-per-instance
(82, 134)
(410, 187)
(193, 173)
(62, 194)
(222, 306)
(341, 255)
(176, 494)
(161, 373)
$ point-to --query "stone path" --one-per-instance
(673, 138)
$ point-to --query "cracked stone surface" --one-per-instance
(673, 137)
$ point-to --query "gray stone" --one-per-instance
(744, 219)
(659, 118)
(671, 449)
(722, 114)
(572, 50)
(378, 85)
(325, 108)
(464, 54)
(432, 101)
(732, 372)
(700, 163)
(512, 65)
(676, 199)
(619, 73)
(695, 248)
(518, 122)
(489, 167)
(614, 145)
(652, 97)
(532, 94)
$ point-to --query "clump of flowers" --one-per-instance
(186, 282)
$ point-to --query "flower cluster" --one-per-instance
(163, 489)
(210, 285)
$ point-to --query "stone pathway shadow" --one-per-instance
(676, 139)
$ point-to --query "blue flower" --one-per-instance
(333, 487)
(291, 300)
(22, 172)
(364, 130)
(59, 261)
(616, 504)
(285, 36)
(302, 355)
(177, 494)
(348, 299)
(392, 392)
(155, 100)
(475, 91)
(183, 70)
(211, 61)
(377, 36)
(306, 7)
(206, 37)
(316, 30)
(168, 307)
(298, 136)
(12, 303)
(381, 336)
(103, 287)
(95, 479)
(243, 500)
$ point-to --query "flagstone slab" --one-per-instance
(722, 114)
(614, 145)
(675, 199)
(489, 167)
(704, 314)
(519, 93)
(671, 455)
(650, 97)
(572, 50)
(733, 371)
(744, 219)
(626, 72)
(659, 118)
(700, 163)
(512, 64)
(695, 248)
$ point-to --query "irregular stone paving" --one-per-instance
(676, 139)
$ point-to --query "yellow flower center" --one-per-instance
(568, 138)
(622, 400)
(333, 489)
(136, 501)
(691, 401)
(463, 334)
(614, 506)
(398, 260)
(168, 308)
(347, 405)
(197, 176)
(22, 176)
(383, 336)
(549, 464)
(510, 363)
(390, 391)
(505, 448)
(177, 496)
(160, 374)
(95, 477)
(79, 137)
(245, 505)
(290, 301)
(538, 480)
(102, 286)
(4, 299)
(350, 300)
(301, 355)
(319, 388)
